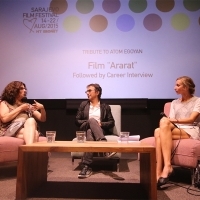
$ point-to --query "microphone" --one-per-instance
(163, 115)
(24, 100)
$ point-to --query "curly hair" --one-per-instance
(188, 82)
(97, 88)
(11, 91)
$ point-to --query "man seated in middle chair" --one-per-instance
(94, 117)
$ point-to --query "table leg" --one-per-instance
(148, 174)
(31, 172)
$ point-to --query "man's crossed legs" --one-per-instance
(94, 133)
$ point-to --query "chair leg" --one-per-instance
(118, 162)
(192, 170)
(74, 157)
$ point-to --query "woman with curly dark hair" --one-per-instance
(18, 118)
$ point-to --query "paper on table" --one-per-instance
(131, 138)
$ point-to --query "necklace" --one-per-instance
(17, 104)
(186, 100)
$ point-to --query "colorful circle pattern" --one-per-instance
(72, 24)
(165, 6)
(84, 6)
(98, 23)
(192, 5)
(111, 6)
(126, 22)
(62, 6)
(152, 22)
(180, 21)
(137, 6)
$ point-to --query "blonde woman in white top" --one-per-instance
(182, 123)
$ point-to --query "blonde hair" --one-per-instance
(188, 82)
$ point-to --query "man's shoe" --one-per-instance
(85, 172)
(109, 154)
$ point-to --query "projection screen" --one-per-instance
(133, 49)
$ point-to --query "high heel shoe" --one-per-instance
(163, 181)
